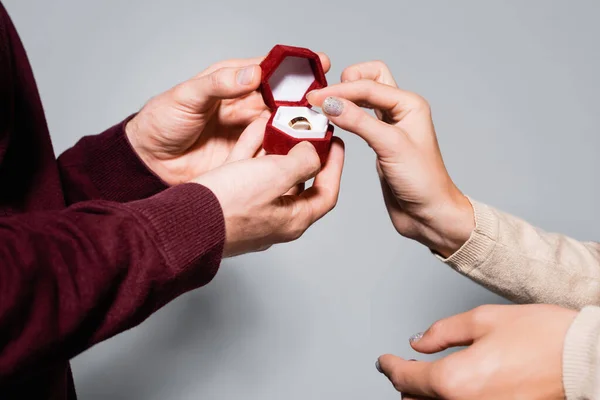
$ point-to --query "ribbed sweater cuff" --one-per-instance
(481, 242)
(581, 356)
(187, 224)
(116, 169)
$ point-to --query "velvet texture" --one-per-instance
(276, 141)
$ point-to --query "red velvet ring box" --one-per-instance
(288, 74)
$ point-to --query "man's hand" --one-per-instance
(192, 128)
(515, 352)
(259, 196)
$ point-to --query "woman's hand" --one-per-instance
(259, 196)
(423, 202)
(514, 352)
(191, 129)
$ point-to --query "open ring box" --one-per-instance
(288, 75)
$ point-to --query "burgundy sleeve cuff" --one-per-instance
(105, 167)
(187, 224)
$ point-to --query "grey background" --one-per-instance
(513, 86)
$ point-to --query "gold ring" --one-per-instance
(300, 124)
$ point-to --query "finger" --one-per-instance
(265, 114)
(459, 330)
(260, 153)
(299, 165)
(325, 61)
(250, 141)
(305, 209)
(234, 63)
(385, 139)
(243, 62)
(372, 70)
(296, 190)
(375, 71)
(247, 109)
(323, 195)
(371, 94)
(408, 376)
(200, 94)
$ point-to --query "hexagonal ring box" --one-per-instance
(288, 74)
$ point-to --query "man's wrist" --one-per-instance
(132, 132)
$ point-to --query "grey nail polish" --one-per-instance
(332, 106)
(378, 366)
(416, 337)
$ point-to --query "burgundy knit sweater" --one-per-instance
(90, 244)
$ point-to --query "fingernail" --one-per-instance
(333, 106)
(244, 76)
(416, 337)
(378, 366)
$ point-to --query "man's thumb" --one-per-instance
(201, 93)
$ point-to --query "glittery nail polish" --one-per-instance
(332, 106)
(416, 337)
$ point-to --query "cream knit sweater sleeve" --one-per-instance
(527, 265)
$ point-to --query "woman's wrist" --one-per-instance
(447, 228)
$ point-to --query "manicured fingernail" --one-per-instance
(244, 76)
(416, 337)
(378, 366)
(333, 106)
